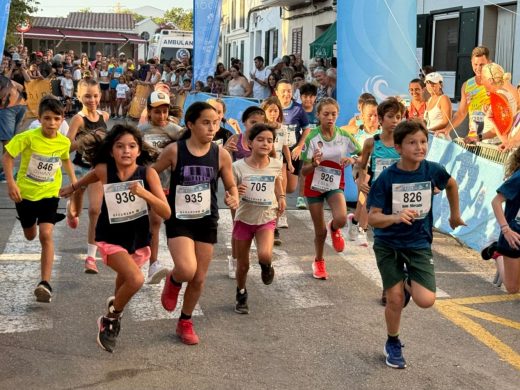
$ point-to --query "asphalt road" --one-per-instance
(301, 333)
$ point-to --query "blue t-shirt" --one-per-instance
(294, 119)
(389, 194)
(116, 72)
(313, 120)
(509, 190)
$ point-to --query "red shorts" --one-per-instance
(242, 231)
(140, 256)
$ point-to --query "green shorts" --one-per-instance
(322, 197)
(419, 263)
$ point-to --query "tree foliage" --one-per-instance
(19, 12)
(122, 10)
(182, 18)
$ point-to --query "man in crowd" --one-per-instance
(323, 83)
(259, 79)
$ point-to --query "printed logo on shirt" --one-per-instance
(196, 174)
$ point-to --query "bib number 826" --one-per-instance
(124, 197)
(193, 198)
(412, 197)
(327, 177)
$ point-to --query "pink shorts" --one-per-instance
(243, 231)
(140, 256)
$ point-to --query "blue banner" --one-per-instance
(477, 178)
(235, 106)
(376, 50)
(206, 33)
(4, 19)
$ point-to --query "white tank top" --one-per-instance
(434, 116)
(236, 90)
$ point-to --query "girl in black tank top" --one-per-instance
(122, 230)
(196, 163)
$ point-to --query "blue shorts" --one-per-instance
(10, 119)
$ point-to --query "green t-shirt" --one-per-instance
(39, 175)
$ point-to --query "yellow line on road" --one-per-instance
(488, 317)
(452, 312)
(486, 299)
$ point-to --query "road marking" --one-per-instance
(291, 282)
(21, 257)
(456, 311)
(361, 258)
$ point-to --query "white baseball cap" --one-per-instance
(158, 98)
(434, 77)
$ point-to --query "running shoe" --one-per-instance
(170, 293)
(90, 265)
(488, 251)
(277, 239)
(232, 267)
(394, 354)
(186, 332)
(267, 274)
(108, 330)
(319, 270)
(337, 238)
(156, 273)
(362, 237)
(241, 306)
(300, 203)
(282, 221)
(352, 229)
(43, 292)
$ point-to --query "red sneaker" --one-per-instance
(318, 270)
(90, 265)
(170, 293)
(337, 238)
(186, 332)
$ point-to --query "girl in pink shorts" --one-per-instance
(259, 180)
(123, 228)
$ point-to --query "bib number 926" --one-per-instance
(327, 177)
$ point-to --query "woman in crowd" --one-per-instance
(238, 85)
(438, 108)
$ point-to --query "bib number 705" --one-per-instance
(258, 187)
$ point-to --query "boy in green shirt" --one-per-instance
(35, 192)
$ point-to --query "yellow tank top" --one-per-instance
(478, 98)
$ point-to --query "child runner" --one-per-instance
(67, 90)
(509, 240)
(400, 211)
(223, 134)
(44, 150)
(368, 129)
(195, 163)
(122, 95)
(356, 119)
(89, 120)
(379, 151)
(259, 180)
(326, 153)
(237, 146)
(104, 84)
(158, 133)
(122, 230)
(274, 115)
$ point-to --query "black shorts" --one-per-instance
(39, 211)
(504, 249)
(197, 230)
(104, 87)
(297, 164)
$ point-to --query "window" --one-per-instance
(275, 44)
(242, 13)
(445, 42)
(242, 49)
(297, 34)
(267, 46)
(233, 15)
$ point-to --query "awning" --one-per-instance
(46, 33)
(322, 47)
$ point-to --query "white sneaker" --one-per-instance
(362, 237)
(232, 267)
(156, 273)
(282, 221)
(352, 230)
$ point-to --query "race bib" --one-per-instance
(192, 202)
(414, 196)
(157, 141)
(382, 164)
(42, 168)
(325, 179)
(122, 205)
(260, 190)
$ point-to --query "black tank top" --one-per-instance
(192, 170)
(131, 235)
(89, 126)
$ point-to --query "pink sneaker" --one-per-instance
(338, 241)
(90, 265)
(186, 332)
(319, 270)
(170, 293)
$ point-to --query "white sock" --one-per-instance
(91, 250)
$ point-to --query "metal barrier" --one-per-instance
(488, 151)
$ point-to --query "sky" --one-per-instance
(62, 8)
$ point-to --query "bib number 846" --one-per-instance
(45, 166)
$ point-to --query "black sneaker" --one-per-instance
(43, 292)
(267, 273)
(241, 302)
(108, 330)
(277, 239)
(488, 251)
